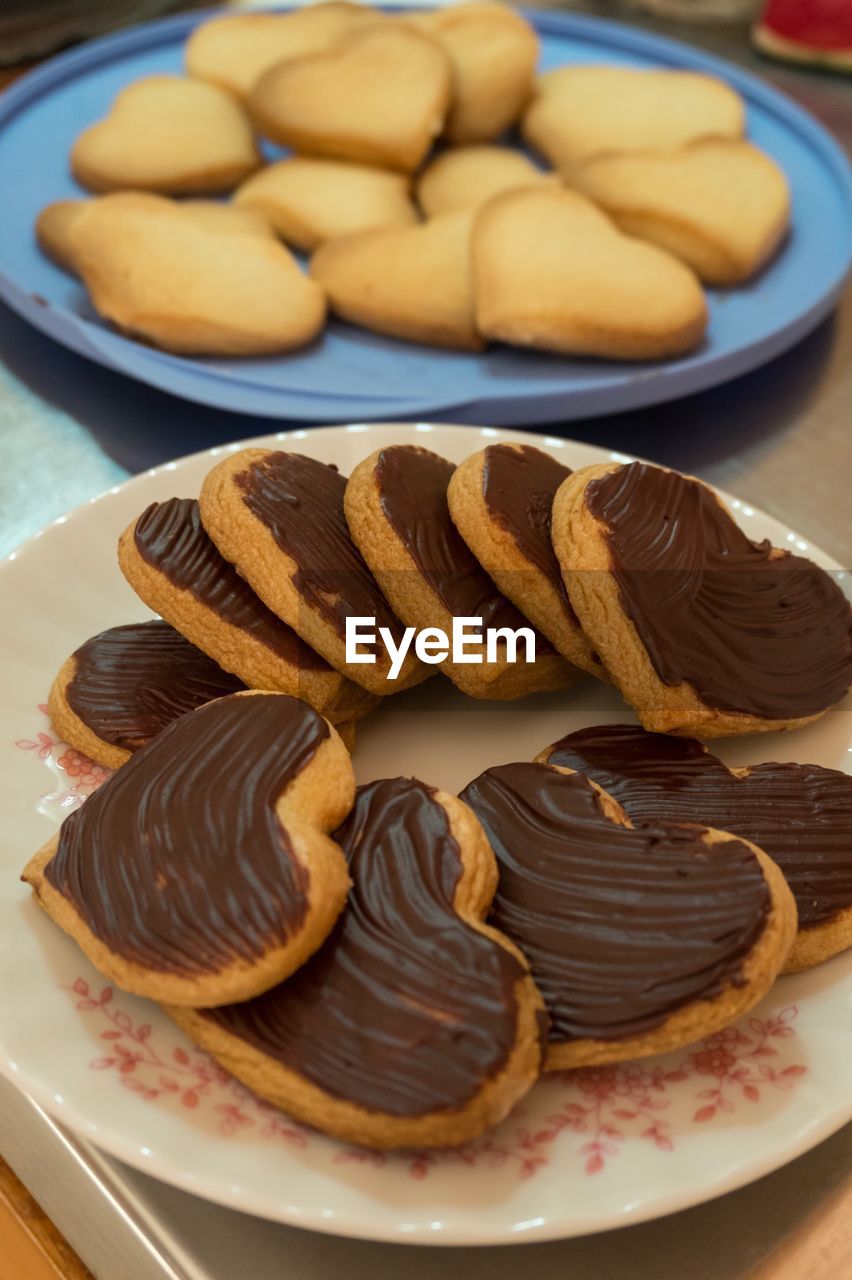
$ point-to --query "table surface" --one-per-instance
(779, 438)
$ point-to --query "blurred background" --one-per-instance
(814, 30)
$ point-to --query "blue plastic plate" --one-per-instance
(351, 374)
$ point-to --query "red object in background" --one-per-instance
(815, 31)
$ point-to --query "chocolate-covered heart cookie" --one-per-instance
(641, 938)
(416, 1024)
(278, 518)
(800, 814)
(500, 501)
(122, 687)
(173, 565)
(398, 514)
(202, 872)
(704, 630)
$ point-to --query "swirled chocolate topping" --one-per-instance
(405, 1009)
(179, 862)
(171, 538)
(752, 630)
(413, 486)
(800, 814)
(130, 682)
(300, 501)
(519, 483)
(621, 926)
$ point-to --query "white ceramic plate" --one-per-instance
(597, 1149)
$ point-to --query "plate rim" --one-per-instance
(353, 1224)
(635, 386)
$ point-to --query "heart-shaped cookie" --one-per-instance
(703, 630)
(398, 514)
(500, 501)
(53, 231)
(583, 111)
(379, 97)
(309, 201)
(173, 565)
(493, 52)
(641, 938)
(235, 50)
(125, 685)
(799, 814)
(416, 1024)
(278, 518)
(467, 177)
(55, 222)
(551, 270)
(170, 135)
(201, 871)
(206, 284)
(722, 206)
(408, 282)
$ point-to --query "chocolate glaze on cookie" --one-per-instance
(800, 814)
(300, 501)
(413, 489)
(130, 682)
(170, 537)
(405, 1009)
(519, 483)
(179, 861)
(621, 927)
(751, 630)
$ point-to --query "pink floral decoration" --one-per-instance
(84, 775)
(601, 1107)
(89, 775)
(186, 1078)
(42, 746)
(730, 1056)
